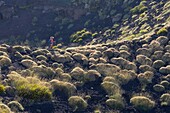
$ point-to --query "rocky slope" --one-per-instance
(122, 76)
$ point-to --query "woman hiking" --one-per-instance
(51, 41)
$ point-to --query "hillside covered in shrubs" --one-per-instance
(112, 57)
(123, 76)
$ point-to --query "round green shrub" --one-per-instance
(162, 32)
(158, 64)
(124, 47)
(107, 69)
(124, 54)
(155, 46)
(115, 104)
(124, 64)
(10, 91)
(165, 70)
(2, 53)
(18, 55)
(142, 103)
(165, 99)
(57, 65)
(92, 75)
(166, 57)
(77, 103)
(19, 48)
(145, 78)
(28, 63)
(62, 58)
(165, 83)
(5, 61)
(59, 71)
(162, 40)
(110, 79)
(95, 54)
(27, 57)
(111, 52)
(158, 88)
(26, 72)
(41, 52)
(143, 60)
(157, 55)
(15, 106)
(78, 74)
(65, 77)
(66, 88)
(43, 71)
(41, 57)
(80, 58)
(167, 48)
(124, 76)
(144, 68)
(110, 87)
(4, 108)
(144, 51)
(3, 49)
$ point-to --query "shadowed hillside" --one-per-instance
(32, 22)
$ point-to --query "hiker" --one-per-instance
(51, 41)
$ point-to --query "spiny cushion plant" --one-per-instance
(5, 61)
(77, 103)
(15, 106)
(40, 52)
(165, 70)
(67, 89)
(165, 99)
(124, 76)
(165, 83)
(43, 72)
(163, 40)
(142, 103)
(28, 63)
(145, 78)
(106, 69)
(158, 88)
(115, 101)
(4, 108)
(92, 75)
(143, 60)
(78, 74)
(123, 63)
(115, 104)
(111, 88)
(19, 48)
